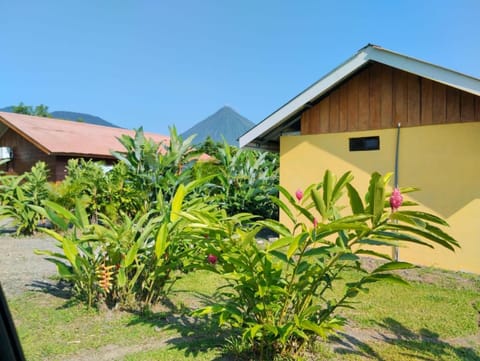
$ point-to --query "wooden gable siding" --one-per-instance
(25, 154)
(380, 97)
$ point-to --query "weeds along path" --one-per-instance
(20, 268)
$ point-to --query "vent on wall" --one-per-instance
(364, 143)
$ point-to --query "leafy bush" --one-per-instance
(155, 167)
(245, 180)
(20, 193)
(131, 262)
(283, 295)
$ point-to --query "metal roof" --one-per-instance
(63, 137)
(265, 135)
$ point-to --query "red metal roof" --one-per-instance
(63, 137)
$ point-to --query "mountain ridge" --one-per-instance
(75, 116)
(225, 123)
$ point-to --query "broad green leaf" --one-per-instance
(370, 195)
(81, 215)
(296, 242)
(280, 243)
(131, 255)
(394, 265)
(161, 243)
(342, 182)
(348, 257)
(276, 227)
(319, 204)
(384, 277)
(63, 270)
(378, 201)
(397, 236)
(121, 277)
(355, 201)
(328, 184)
(177, 203)
(287, 195)
(70, 250)
(311, 326)
(373, 253)
(433, 234)
(422, 215)
(60, 210)
(305, 212)
(318, 251)
(284, 208)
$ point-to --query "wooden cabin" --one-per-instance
(352, 118)
(25, 140)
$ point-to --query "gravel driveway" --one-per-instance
(20, 268)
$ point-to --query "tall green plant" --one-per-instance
(20, 193)
(156, 167)
(131, 262)
(245, 180)
(280, 296)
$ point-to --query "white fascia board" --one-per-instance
(430, 71)
(309, 94)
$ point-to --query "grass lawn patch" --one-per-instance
(432, 319)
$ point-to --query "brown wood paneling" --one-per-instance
(477, 109)
(426, 102)
(324, 114)
(467, 107)
(375, 97)
(439, 107)
(378, 97)
(400, 92)
(352, 103)
(386, 102)
(305, 123)
(453, 105)
(342, 110)
(334, 111)
(363, 99)
(413, 100)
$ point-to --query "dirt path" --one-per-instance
(20, 268)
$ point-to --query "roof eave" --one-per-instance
(26, 136)
(302, 100)
(369, 53)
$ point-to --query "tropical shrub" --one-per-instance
(245, 180)
(85, 180)
(131, 262)
(283, 295)
(20, 193)
(156, 167)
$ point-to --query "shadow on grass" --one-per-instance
(196, 335)
(424, 345)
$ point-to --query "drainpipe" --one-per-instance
(397, 149)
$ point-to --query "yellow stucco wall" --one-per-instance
(442, 160)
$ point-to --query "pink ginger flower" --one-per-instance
(299, 194)
(315, 222)
(396, 199)
(212, 259)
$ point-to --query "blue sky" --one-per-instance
(161, 63)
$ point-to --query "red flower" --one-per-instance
(212, 259)
(315, 222)
(299, 194)
(396, 199)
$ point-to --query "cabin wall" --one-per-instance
(25, 154)
(380, 97)
(442, 160)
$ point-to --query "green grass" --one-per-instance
(432, 319)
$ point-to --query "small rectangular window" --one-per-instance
(364, 143)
